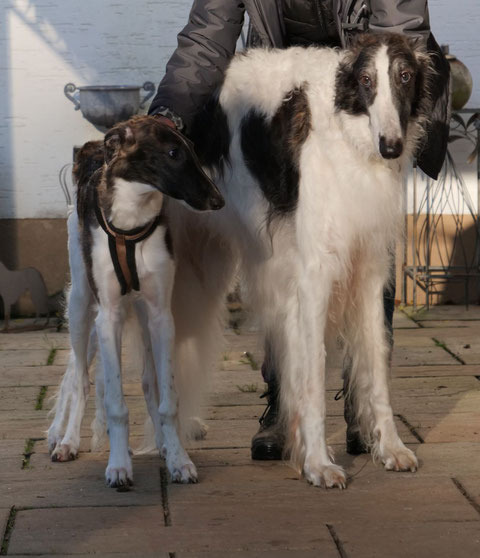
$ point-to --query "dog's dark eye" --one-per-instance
(365, 81)
(405, 77)
(173, 153)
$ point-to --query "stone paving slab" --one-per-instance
(46, 339)
(472, 486)
(25, 376)
(449, 323)
(82, 483)
(418, 540)
(4, 515)
(468, 331)
(467, 402)
(455, 427)
(446, 386)
(445, 312)
(420, 356)
(383, 493)
(10, 448)
(449, 459)
(416, 337)
(247, 527)
(402, 321)
(18, 399)
(103, 555)
(467, 349)
(278, 553)
(24, 357)
(126, 530)
(436, 371)
(251, 509)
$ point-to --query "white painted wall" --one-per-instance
(43, 45)
(46, 43)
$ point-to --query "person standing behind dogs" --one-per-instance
(196, 68)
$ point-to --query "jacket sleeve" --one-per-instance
(401, 16)
(196, 68)
(411, 17)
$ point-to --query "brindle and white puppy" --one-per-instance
(122, 183)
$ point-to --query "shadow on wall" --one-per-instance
(94, 42)
(7, 172)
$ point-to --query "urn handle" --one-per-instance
(149, 87)
(68, 90)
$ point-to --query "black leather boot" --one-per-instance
(355, 444)
(268, 443)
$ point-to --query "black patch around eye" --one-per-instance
(350, 96)
(272, 150)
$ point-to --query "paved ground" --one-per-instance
(243, 509)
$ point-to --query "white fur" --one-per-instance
(384, 116)
(133, 205)
(320, 270)
(128, 195)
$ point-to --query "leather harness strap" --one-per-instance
(122, 247)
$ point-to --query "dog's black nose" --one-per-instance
(390, 149)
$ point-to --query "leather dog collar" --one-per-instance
(121, 244)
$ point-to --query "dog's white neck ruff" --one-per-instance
(134, 204)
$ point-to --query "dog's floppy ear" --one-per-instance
(88, 159)
(115, 139)
(426, 81)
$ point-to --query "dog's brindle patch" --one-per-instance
(86, 173)
(272, 150)
(152, 153)
(88, 176)
(353, 98)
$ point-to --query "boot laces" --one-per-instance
(269, 415)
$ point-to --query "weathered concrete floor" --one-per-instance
(241, 508)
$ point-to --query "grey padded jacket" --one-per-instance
(208, 41)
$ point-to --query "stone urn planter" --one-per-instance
(462, 83)
(105, 105)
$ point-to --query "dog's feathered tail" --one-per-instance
(206, 264)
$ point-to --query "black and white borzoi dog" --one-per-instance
(309, 148)
(119, 244)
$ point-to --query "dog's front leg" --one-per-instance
(305, 384)
(162, 331)
(109, 331)
(370, 379)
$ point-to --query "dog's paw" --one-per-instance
(119, 477)
(64, 452)
(198, 429)
(399, 459)
(185, 474)
(326, 476)
(54, 438)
